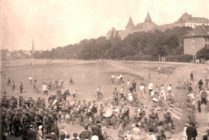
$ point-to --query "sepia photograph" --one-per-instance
(104, 69)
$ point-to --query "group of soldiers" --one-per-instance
(14, 86)
(29, 116)
(33, 119)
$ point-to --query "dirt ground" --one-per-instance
(88, 75)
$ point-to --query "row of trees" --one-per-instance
(15, 54)
(139, 45)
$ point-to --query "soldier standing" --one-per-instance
(21, 87)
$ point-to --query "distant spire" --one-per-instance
(130, 24)
(148, 18)
(33, 47)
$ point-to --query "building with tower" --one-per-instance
(130, 25)
(186, 20)
(147, 25)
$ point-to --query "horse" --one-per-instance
(59, 97)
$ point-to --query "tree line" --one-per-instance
(136, 46)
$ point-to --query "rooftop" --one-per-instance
(148, 18)
(189, 18)
(130, 22)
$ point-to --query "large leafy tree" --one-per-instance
(152, 44)
(203, 53)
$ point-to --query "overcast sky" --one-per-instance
(52, 23)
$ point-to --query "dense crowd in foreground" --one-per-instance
(32, 119)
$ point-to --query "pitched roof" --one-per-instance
(189, 18)
(199, 20)
(130, 22)
(148, 18)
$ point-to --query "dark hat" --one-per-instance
(98, 122)
(86, 127)
(75, 135)
(68, 136)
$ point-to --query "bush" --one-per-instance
(179, 58)
(203, 53)
(140, 57)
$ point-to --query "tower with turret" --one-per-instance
(148, 18)
(186, 20)
(130, 25)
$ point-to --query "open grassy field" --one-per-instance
(88, 75)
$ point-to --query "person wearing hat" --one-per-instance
(200, 84)
(21, 87)
(85, 134)
(151, 124)
(96, 130)
(191, 76)
(47, 121)
(203, 95)
(75, 136)
(142, 89)
(55, 129)
(67, 137)
(115, 96)
(136, 132)
(169, 119)
(121, 133)
(24, 132)
(190, 89)
(129, 135)
(170, 90)
(133, 86)
(206, 135)
(150, 87)
(62, 133)
(160, 126)
(162, 93)
(31, 133)
(151, 136)
(161, 135)
(39, 135)
(51, 136)
(191, 132)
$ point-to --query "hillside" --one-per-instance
(138, 46)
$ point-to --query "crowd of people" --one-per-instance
(137, 112)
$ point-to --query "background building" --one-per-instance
(196, 40)
(190, 21)
(186, 20)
